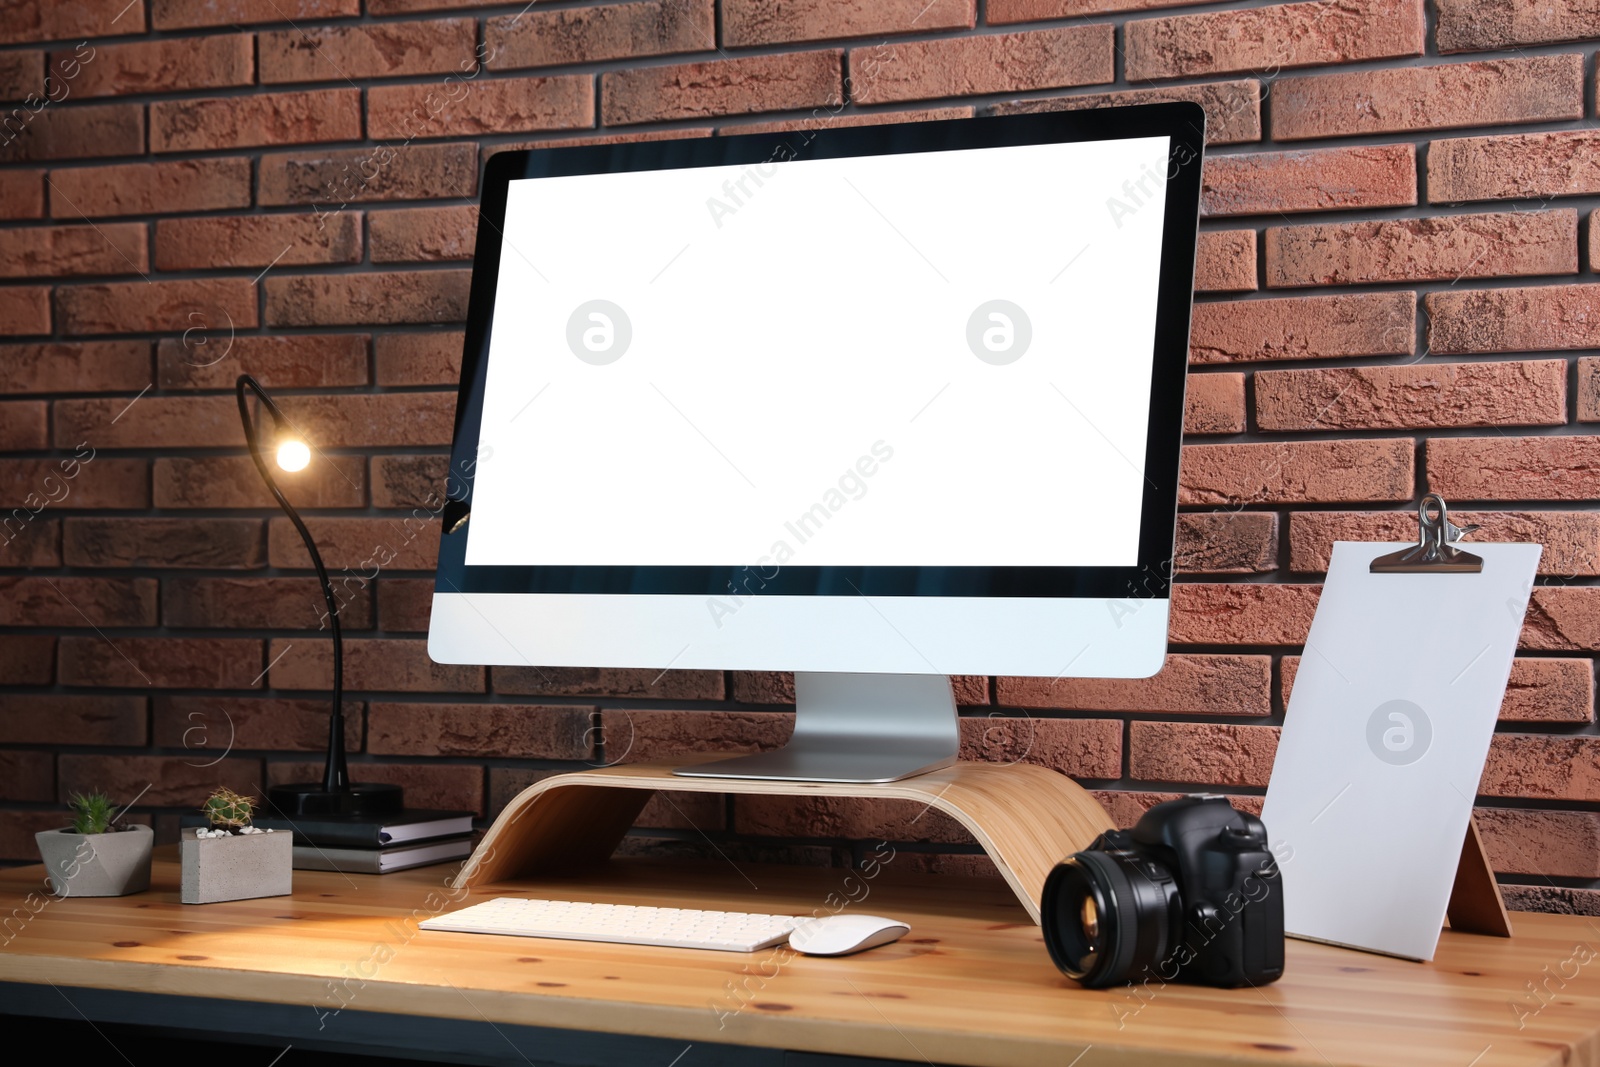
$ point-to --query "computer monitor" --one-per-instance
(877, 405)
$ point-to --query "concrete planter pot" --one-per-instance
(111, 864)
(237, 867)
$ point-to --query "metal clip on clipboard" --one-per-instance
(1433, 553)
(1476, 903)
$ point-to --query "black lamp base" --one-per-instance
(361, 799)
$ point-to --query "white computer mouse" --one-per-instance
(840, 935)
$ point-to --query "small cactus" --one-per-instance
(227, 810)
(91, 813)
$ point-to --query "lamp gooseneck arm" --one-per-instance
(336, 772)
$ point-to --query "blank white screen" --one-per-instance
(799, 385)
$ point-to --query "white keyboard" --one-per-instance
(622, 924)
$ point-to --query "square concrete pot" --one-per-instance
(236, 867)
(111, 864)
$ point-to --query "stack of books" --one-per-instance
(377, 845)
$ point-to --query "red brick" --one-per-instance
(992, 63)
(607, 138)
(848, 817)
(256, 120)
(21, 194)
(77, 602)
(23, 425)
(52, 719)
(777, 687)
(95, 482)
(1539, 690)
(1324, 179)
(534, 38)
(1515, 468)
(1588, 388)
(1242, 614)
(28, 776)
(261, 603)
(1000, 12)
(213, 724)
(828, 119)
(1125, 806)
(191, 14)
(375, 50)
(1542, 766)
(518, 731)
(1227, 542)
(1204, 753)
(17, 829)
(1233, 108)
(150, 188)
(368, 299)
(1555, 844)
(1304, 327)
(1323, 472)
(1268, 39)
(59, 20)
(506, 105)
(176, 65)
(27, 659)
(162, 662)
(385, 172)
(24, 309)
(418, 358)
(21, 75)
(257, 241)
(1225, 261)
(1488, 93)
(422, 234)
(1186, 685)
(1562, 619)
(1514, 320)
(1571, 539)
(81, 367)
(172, 781)
(410, 481)
(389, 665)
(1445, 248)
(1214, 403)
(358, 544)
(31, 543)
(233, 482)
(608, 682)
(1562, 163)
(213, 360)
(1482, 25)
(405, 604)
(371, 420)
(754, 22)
(427, 785)
(407, 7)
(228, 544)
(630, 736)
(43, 251)
(157, 307)
(1553, 899)
(78, 132)
(788, 82)
(150, 422)
(1420, 396)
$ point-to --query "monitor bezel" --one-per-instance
(1150, 577)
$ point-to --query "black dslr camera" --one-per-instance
(1190, 894)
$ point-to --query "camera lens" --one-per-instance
(1107, 916)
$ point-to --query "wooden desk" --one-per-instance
(970, 985)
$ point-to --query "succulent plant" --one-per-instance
(227, 810)
(92, 813)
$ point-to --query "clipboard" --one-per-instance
(1384, 740)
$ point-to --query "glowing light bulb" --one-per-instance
(293, 455)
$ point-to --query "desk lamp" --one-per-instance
(335, 794)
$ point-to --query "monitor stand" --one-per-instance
(856, 728)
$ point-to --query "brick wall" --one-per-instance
(1396, 295)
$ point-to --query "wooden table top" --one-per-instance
(971, 984)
